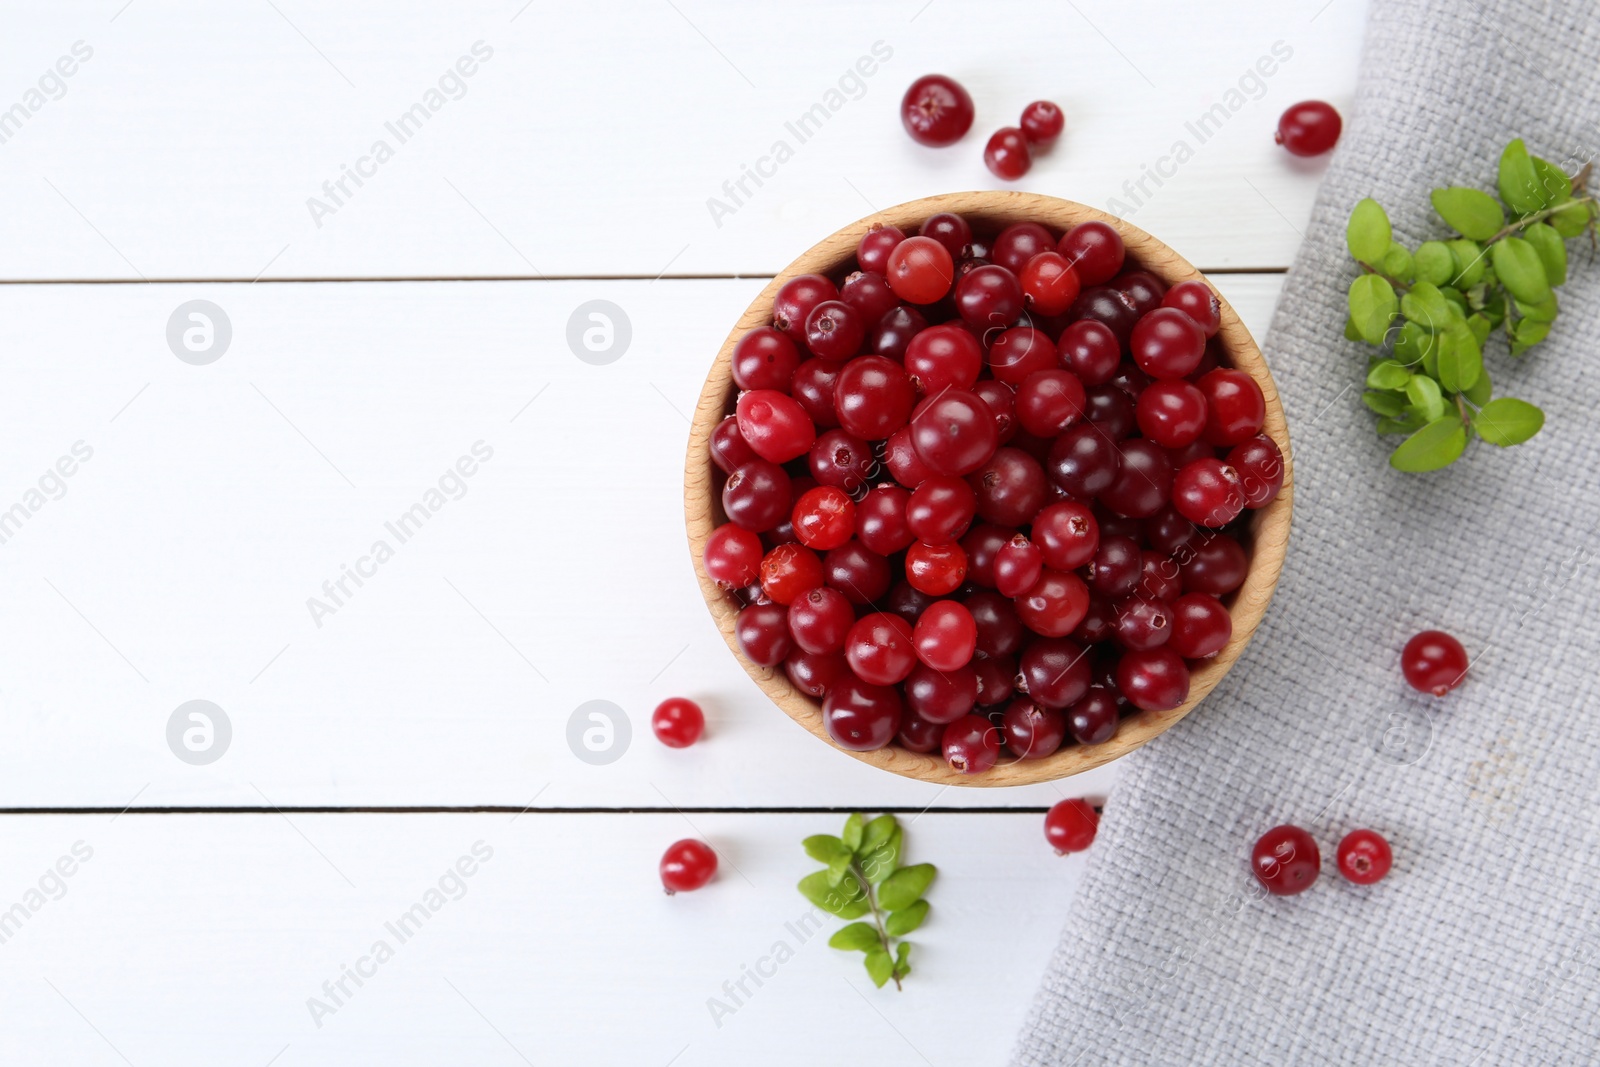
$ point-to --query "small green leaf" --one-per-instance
(882, 861)
(1471, 212)
(1368, 233)
(1545, 312)
(1397, 262)
(1372, 306)
(857, 937)
(824, 848)
(1434, 263)
(1480, 327)
(852, 832)
(880, 967)
(877, 832)
(1571, 221)
(1388, 374)
(1389, 405)
(1392, 426)
(1350, 331)
(1528, 333)
(1470, 263)
(1425, 396)
(902, 959)
(1460, 359)
(847, 900)
(1426, 306)
(1519, 186)
(1438, 444)
(1413, 345)
(1520, 270)
(903, 887)
(1554, 185)
(902, 922)
(1481, 390)
(1507, 421)
(1552, 251)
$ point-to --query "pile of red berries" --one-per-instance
(987, 489)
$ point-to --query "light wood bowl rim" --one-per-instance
(990, 210)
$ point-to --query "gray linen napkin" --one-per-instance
(1483, 945)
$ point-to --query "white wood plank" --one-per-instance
(590, 142)
(200, 940)
(179, 560)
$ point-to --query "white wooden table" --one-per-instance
(378, 334)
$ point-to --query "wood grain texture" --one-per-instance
(988, 212)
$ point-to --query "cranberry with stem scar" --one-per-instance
(872, 251)
(820, 619)
(1042, 122)
(1067, 535)
(796, 299)
(1055, 671)
(936, 111)
(840, 459)
(1017, 566)
(765, 358)
(1434, 662)
(1031, 730)
(758, 495)
(971, 744)
(1207, 493)
(1011, 487)
(1364, 857)
(1048, 401)
(954, 432)
(1083, 461)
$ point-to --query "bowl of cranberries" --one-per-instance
(988, 488)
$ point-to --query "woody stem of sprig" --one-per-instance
(1538, 216)
(877, 918)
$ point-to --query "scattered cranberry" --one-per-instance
(1042, 122)
(1007, 154)
(1286, 861)
(1309, 128)
(678, 722)
(1364, 857)
(687, 865)
(1434, 662)
(1070, 826)
(936, 110)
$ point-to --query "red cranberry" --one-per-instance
(945, 637)
(941, 509)
(1159, 577)
(765, 358)
(1235, 408)
(1055, 605)
(1114, 571)
(1067, 535)
(873, 397)
(797, 297)
(775, 426)
(1110, 409)
(1260, 467)
(1434, 662)
(936, 110)
(1048, 401)
(941, 696)
(1286, 861)
(996, 681)
(1000, 630)
(935, 569)
(861, 575)
(1217, 566)
(789, 570)
(1364, 857)
(835, 330)
(1207, 493)
(971, 744)
(1099, 622)
(728, 450)
(881, 520)
(1019, 352)
(733, 556)
(763, 634)
(1196, 300)
(1070, 826)
(1042, 122)
(757, 496)
(1144, 480)
(950, 230)
(1143, 623)
(918, 734)
(1011, 487)
(1002, 401)
(824, 518)
(1090, 350)
(879, 648)
(814, 674)
(1083, 461)
(820, 619)
(1056, 671)
(1020, 242)
(1031, 730)
(900, 456)
(1017, 566)
(869, 293)
(1170, 533)
(1095, 250)
(893, 333)
(1166, 343)
(920, 270)
(860, 716)
(989, 296)
(687, 865)
(954, 432)
(1142, 288)
(812, 389)
(1007, 154)
(1201, 626)
(907, 601)
(1172, 413)
(943, 357)
(872, 251)
(1309, 128)
(1049, 283)
(1153, 679)
(1107, 306)
(1093, 720)
(678, 722)
(982, 544)
(840, 459)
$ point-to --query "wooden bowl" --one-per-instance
(991, 211)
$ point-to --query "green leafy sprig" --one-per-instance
(864, 877)
(1431, 311)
